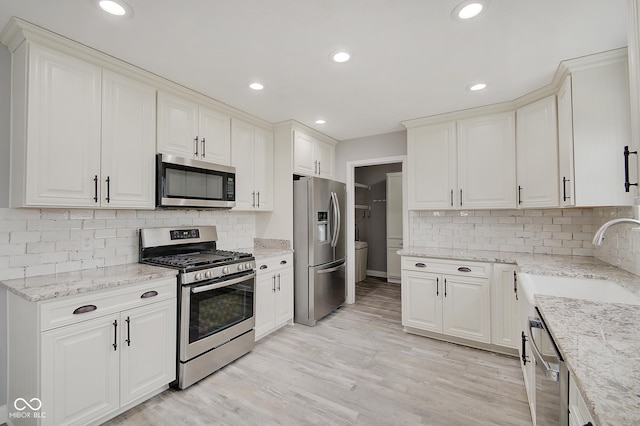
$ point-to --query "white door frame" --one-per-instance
(351, 219)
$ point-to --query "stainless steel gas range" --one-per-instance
(216, 298)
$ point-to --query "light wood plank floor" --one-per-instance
(355, 367)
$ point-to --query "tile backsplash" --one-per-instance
(547, 231)
(45, 241)
(621, 245)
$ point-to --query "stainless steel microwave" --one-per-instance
(182, 182)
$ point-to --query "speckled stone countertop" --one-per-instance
(538, 264)
(600, 343)
(265, 248)
(45, 287)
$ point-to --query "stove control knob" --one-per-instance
(240, 267)
(208, 274)
(225, 270)
(198, 276)
(248, 265)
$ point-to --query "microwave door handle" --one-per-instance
(552, 371)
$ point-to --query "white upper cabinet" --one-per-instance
(468, 164)
(537, 154)
(313, 157)
(128, 143)
(252, 155)
(55, 153)
(593, 128)
(431, 155)
(486, 162)
(82, 137)
(189, 130)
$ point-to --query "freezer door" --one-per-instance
(327, 288)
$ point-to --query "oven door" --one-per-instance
(215, 312)
(182, 182)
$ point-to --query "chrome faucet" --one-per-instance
(598, 238)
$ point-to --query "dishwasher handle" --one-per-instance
(551, 370)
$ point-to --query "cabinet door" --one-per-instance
(431, 155)
(128, 143)
(243, 159)
(466, 307)
(304, 154)
(214, 132)
(148, 349)
(422, 301)
(487, 162)
(393, 259)
(325, 155)
(263, 180)
(63, 130)
(504, 307)
(177, 126)
(265, 303)
(284, 296)
(601, 129)
(80, 371)
(394, 205)
(537, 154)
(565, 144)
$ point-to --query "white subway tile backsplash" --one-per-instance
(46, 241)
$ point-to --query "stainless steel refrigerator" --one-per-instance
(319, 248)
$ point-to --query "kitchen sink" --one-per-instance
(578, 288)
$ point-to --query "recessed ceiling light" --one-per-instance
(256, 86)
(341, 57)
(477, 86)
(469, 9)
(320, 121)
(118, 8)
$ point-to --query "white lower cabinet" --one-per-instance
(505, 330)
(100, 353)
(452, 298)
(578, 411)
(274, 294)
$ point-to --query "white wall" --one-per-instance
(378, 146)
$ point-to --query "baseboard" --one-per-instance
(3, 414)
(378, 274)
(394, 280)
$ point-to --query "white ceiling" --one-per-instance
(410, 58)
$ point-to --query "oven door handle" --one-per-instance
(551, 371)
(200, 289)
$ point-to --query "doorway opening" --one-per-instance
(367, 210)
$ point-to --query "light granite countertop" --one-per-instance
(538, 264)
(45, 287)
(262, 253)
(600, 343)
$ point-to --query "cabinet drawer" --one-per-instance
(267, 265)
(60, 312)
(450, 267)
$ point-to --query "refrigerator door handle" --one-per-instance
(339, 219)
(336, 224)
(328, 271)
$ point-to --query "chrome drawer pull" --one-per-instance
(420, 265)
(464, 269)
(84, 309)
(148, 294)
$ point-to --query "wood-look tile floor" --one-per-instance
(355, 367)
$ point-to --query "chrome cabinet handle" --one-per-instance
(203, 148)
(148, 294)
(84, 309)
(108, 198)
(128, 331)
(115, 335)
(95, 188)
(195, 146)
(464, 269)
(278, 282)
